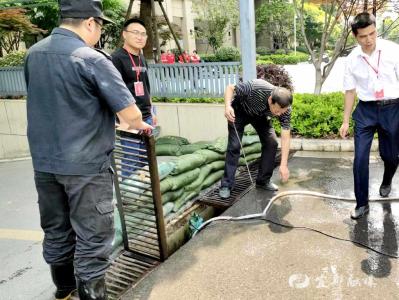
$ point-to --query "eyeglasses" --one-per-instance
(100, 24)
(137, 33)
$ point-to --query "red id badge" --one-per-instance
(378, 90)
(139, 88)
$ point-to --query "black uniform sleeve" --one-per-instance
(110, 85)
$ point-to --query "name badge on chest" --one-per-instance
(378, 90)
(139, 88)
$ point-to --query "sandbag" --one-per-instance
(183, 179)
(167, 208)
(172, 196)
(167, 150)
(165, 168)
(211, 179)
(183, 200)
(191, 148)
(220, 145)
(210, 155)
(165, 185)
(250, 158)
(187, 162)
(249, 130)
(250, 139)
(216, 165)
(196, 184)
(172, 140)
(254, 148)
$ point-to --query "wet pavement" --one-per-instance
(262, 260)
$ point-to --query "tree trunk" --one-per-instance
(145, 15)
(319, 81)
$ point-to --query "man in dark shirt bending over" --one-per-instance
(256, 102)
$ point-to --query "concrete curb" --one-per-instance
(338, 145)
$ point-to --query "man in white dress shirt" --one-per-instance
(371, 73)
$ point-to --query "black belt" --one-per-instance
(387, 102)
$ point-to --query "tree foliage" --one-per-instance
(215, 17)
(14, 24)
(337, 15)
(277, 18)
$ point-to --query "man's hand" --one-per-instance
(284, 173)
(343, 131)
(154, 120)
(229, 113)
(145, 128)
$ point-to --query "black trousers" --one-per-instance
(76, 214)
(269, 143)
(371, 117)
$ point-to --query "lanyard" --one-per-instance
(138, 70)
(378, 64)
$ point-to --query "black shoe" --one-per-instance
(64, 279)
(357, 213)
(268, 186)
(385, 189)
(94, 289)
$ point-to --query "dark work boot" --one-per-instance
(64, 279)
(94, 289)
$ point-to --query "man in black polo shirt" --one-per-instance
(73, 93)
(256, 102)
(131, 63)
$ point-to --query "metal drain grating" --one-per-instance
(242, 186)
(125, 271)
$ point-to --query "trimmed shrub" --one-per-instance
(13, 59)
(286, 59)
(228, 54)
(208, 58)
(313, 116)
(275, 74)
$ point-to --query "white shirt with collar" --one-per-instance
(360, 75)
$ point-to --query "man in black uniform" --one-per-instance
(256, 102)
(131, 63)
(73, 93)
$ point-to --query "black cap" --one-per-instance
(83, 9)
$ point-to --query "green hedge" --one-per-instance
(13, 59)
(313, 116)
(285, 59)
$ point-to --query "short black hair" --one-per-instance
(74, 22)
(361, 21)
(282, 96)
(131, 21)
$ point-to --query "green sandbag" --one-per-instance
(183, 200)
(187, 162)
(210, 155)
(249, 140)
(250, 158)
(211, 179)
(165, 168)
(254, 148)
(191, 148)
(172, 140)
(167, 150)
(167, 208)
(171, 196)
(183, 179)
(249, 130)
(196, 184)
(217, 165)
(165, 184)
(220, 145)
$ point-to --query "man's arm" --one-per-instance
(228, 96)
(348, 106)
(131, 118)
(285, 149)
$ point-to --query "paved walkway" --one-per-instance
(259, 260)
